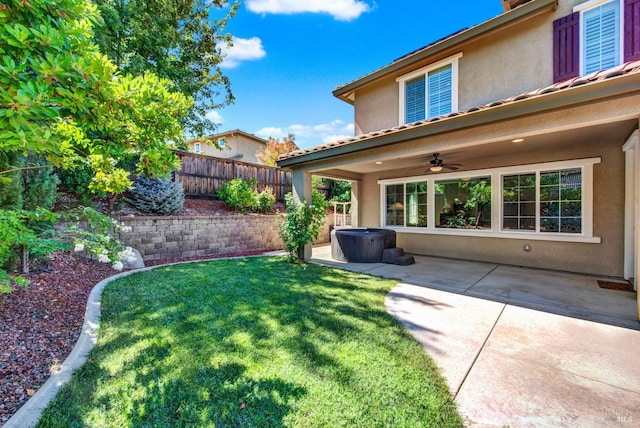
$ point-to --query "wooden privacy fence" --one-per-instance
(203, 175)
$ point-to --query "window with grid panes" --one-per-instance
(561, 201)
(395, 205)
(519, 202)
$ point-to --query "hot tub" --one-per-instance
(361, 245)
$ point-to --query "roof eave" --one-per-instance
(222, 134)
(503, 20)
(561, 99)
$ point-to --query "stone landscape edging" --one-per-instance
(29, 414)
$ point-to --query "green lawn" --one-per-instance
(254, 342)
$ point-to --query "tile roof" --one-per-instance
(624, 69)
(524, 9)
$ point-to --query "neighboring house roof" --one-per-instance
(527, 10)
(593, 79)
(228, 133)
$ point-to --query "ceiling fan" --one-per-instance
(438, 165)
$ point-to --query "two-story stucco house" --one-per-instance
(234, 144)
(534, 116)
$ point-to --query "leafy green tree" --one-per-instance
(174, 39)
(61, 98)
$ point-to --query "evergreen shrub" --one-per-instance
(40, 187)
(157, 196)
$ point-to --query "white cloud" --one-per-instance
(333, 138)
(342, 10)
(242, 50)
(214, 116)
(270, 131)
(309, 135)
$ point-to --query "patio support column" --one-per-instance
(355, 194)
(632, 166)
(301, 191)
(636, 151)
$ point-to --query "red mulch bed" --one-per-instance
(40, 324)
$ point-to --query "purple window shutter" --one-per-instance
(631, 30)
(566, 47)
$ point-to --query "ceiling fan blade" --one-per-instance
(450, 167)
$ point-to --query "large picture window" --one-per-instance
(463, 203)
(547, 201)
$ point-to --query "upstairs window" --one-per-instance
(197, 148)
(429, 92)
(599, 35)
(440, 91)
(415, 100)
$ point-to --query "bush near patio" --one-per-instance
(302, 224)
(252, 342)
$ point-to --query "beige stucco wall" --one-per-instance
(605, 258)
(235, 144)
(516, 60)
(376, 106)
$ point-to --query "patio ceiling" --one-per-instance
(413, 158)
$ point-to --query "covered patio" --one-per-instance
(562, 293)
(584, 133)
(519, 346)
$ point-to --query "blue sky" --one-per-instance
(289, 55)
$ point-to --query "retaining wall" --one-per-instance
(177, 237)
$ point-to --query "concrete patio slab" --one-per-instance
(434, 272)
(563, 293)
(434, 318)
(520, 347)
(540, 369)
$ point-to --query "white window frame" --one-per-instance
(197, 148)
(424, 71)
(404, 202)
(222, 141)
(586, 6)
(496, 174)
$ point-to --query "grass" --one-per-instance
(253, 342)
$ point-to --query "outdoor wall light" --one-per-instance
(518, 140)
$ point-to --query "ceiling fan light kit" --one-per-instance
(437, 165)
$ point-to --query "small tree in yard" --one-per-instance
(302, 224)
(274, 148)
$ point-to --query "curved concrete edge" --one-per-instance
(30, 412)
